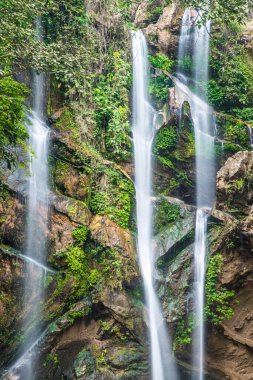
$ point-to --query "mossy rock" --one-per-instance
(164, 214)
(70, 181)
(174, 149)
(84, 364)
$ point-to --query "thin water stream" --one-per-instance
(194, 49)
(36, 232)
(143, 130)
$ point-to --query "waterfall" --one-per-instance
(194, 40)
(37, 221)
(143, 131)
(185, 44)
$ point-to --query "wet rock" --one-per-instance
(179, 231)
(85, 366)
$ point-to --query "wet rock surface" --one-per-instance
(229, 346)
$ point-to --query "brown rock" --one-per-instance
(234, 183)
(164, 34)
(110, 235)
(76, 210)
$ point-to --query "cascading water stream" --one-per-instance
(194, 43)
(37, 221)
(143, 130)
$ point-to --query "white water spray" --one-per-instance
(205, 163)
(143, 131)
(37, 221)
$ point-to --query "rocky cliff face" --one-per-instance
(94, 319)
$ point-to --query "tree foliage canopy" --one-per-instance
(12, 129)
(221, 11)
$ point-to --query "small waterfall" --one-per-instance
(143, 131)
(185, 45)
(204, 127)
(37, 222)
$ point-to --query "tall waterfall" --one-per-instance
(143, 130)
(194, 43)
(37, 221)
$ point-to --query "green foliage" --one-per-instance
(159, 82)
(50, 358)
(12, 117)
(73, 315)
(215, 93)
(86, 270)
(236, 133)
(245, 114)
(239, 184)
(161, 61)
(75, 45)
(183, 332)
(232, 71)
(69, 48)
(125, 9)
(165, 142)
(164, 213)
(80, 234)
(66, 122)
(159, 89)
(221, 11)
(218, 299)
(112, 109)
(173, 150)
(77, 263)
(115, 199)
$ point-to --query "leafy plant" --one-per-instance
(218, 298)
(114, 199)
(12, 117)
(183, 334)
(80, 234)
(161, 61)
(220, 11)
(164, 213)
(112, 110)
(159, 82)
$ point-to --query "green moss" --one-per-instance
(114, 199)
(218, 299)
(164, 145)
(231, 70)
(112, 107)
(12, 117)
(74, 315)
(183, 335)
(101, 362)
(80, 235)
(164, 214)
(175, 151)
(50, 358)
(159, 82)
(84, 363)
(161, 61)
(61, 171)
(66, 121)
(236, 133)
(86, 268)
